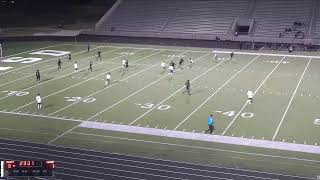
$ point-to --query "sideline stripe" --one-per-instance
(268, 54)
(42, 116)
(203, 137)
(215, 92)
(234, 119)
(225, 52)
(294, 93)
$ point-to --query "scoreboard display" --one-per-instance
(11, 168)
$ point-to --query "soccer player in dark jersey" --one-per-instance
(99, 55)
(38, 75)
(231, 55)
(187, 84)
(172, 64)
(127, 65)
(181, 62)
(59, 64)
(69, 57)
(88, 46)
(90, 66)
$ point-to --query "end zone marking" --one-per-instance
(40, 62)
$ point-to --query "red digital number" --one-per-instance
(9, 166)
(26, 163)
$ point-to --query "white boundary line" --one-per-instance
(216, 92)
(56, 138)
(174, 161)
(42, 116)
(235, 117)
(294, 93)
(177, 90)
(132, 94)
(222, 51)
(40, 61)
(268, 54)
(69, 87)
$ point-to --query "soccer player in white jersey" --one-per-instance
(108, 79)
(123, 64)
(163, 65)
(39, 101)
(215, 57)
(190, 63)
(75, 65)
(250, 96)
(171, 69)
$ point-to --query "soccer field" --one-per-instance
(143, 111)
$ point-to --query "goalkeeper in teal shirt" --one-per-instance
(211, 122)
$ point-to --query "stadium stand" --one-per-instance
(207, 19)
(139, 16)
(317, 19)
(273, 16)
(203, 17)
(185, 16)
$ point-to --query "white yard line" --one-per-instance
(215, 92)
(41, 116)
(132, 94)
(110, 85)
(33, 64)
(176, 91)
(235, 117)
(58, 137)
(52, 67)
(267, 54)
(294, 93)
(222, 51)
(57, 92)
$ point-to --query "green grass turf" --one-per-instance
(132, 98)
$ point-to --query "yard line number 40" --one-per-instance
(232, 113)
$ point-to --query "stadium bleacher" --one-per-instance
(273, 16)
(214, 17)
